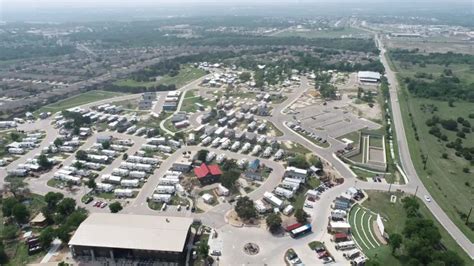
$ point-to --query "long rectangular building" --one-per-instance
(131, 236)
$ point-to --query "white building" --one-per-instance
(222, 191)
(368, 76)
(297, 173)
(126, 193)
(272, 199)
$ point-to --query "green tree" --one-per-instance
(301, 216)
(245, 208)
(91, 184)
(298, 161)
(105, 145)
(7, 206)
(201, 155)
(46, 237)
(52, 199)
(20, 213)
(229, 178)
(10, 231)
(3, 254)
(76, 218)
(15, 136)
(203, 249)
(115, 207)
(273, 221)
(245, 76)
(43, 162)
(411, 206)
(395, 241)
(66, 206)
(58, 142)
(81, 155)
(63, 233)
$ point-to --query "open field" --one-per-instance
(83, 98)
(185, 75)
(394, 217)
(329, 33)
(190, 100)
(448, 184)
(431, 45)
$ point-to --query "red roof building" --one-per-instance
(207, 172)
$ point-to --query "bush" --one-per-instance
(115, 207)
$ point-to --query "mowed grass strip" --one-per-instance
(80, 99)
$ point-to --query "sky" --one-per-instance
(84, 10)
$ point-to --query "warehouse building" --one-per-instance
(105, 235)
(368, 77)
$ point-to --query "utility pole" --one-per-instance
(467, 218)
(389, 187)
(416, 191)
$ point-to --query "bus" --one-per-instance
(301, 231)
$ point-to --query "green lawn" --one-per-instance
(354, 136)
(329, 33)
(300, 197)
(376, 142)
(185, 75)
(190, 100)
(394, 221)
(83, 98)
(452, 188)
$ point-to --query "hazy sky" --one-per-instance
(81, 3)
(71, 10)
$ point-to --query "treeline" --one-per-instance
(167, 67)
(415, 57)
(420, 241)
(31, 51)
(319, 63)
(351, 44)
(138, 89)
(462, 127)
(441, 88)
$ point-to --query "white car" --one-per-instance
(427, 198)
(307, 205)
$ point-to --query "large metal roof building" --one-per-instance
(122, 235)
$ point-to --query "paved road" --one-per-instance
(215, 217)
(407, 164)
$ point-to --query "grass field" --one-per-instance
(185, 75)
(83, 98)
(190, 100)
(449, 185)
(330, 33)
(394, 217)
